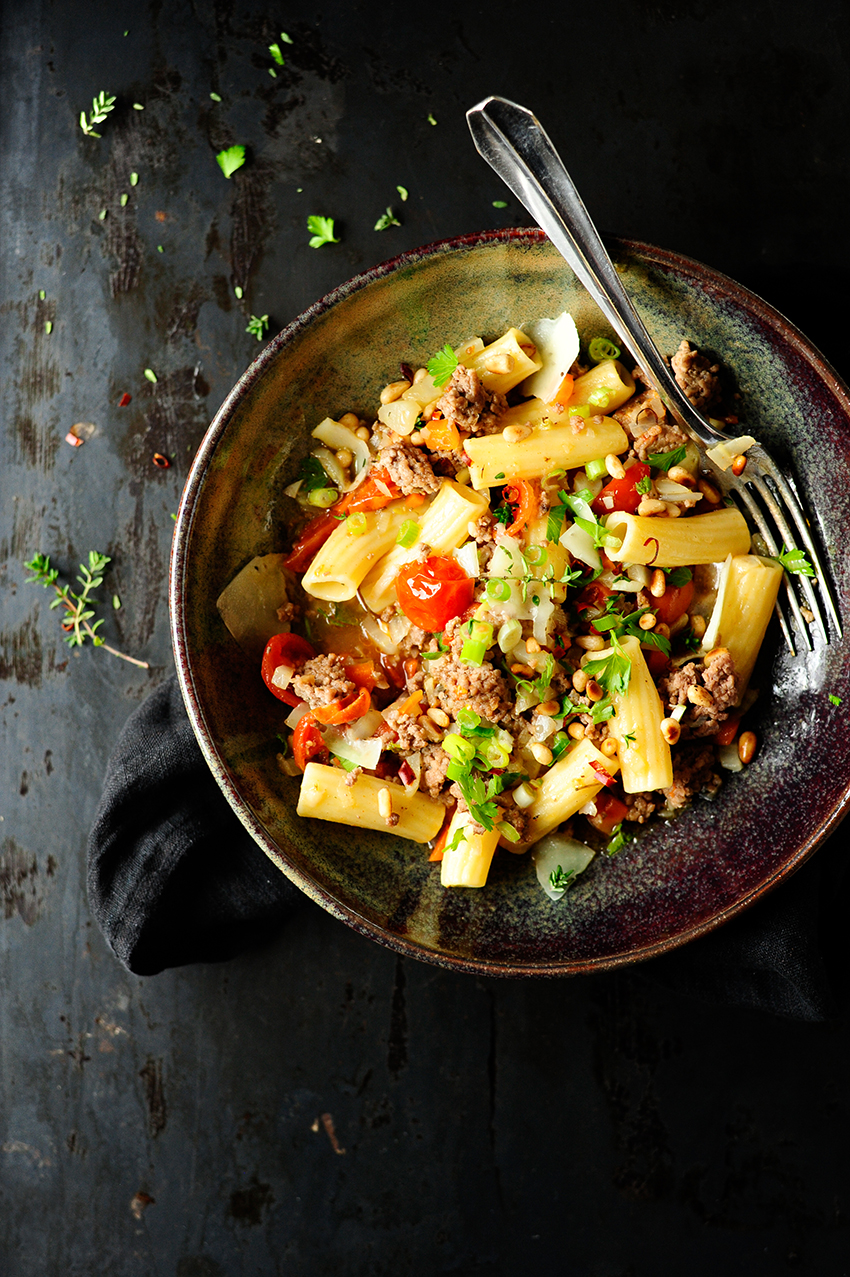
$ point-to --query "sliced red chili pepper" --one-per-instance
(524, 494)
(611, 811)
(284, 649)
(601, 774)
(345, 710)
(307, 743)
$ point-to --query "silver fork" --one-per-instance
(516, 146)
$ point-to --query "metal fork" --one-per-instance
(516, 146)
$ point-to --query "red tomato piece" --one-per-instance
(674, 602)
(728, 731)
(621, 494)
(313, 536)
(524, 495)
(430, 593)
(307, 743)
(284, 649)
(611, 811)
(656, 661)
(355, 705)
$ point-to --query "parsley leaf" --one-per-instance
(833, 699)
(442, 365)
(504, 514)
(231, 159)
(311, 473)
(321, 230)
(664, 460)
(579, 505)
(795, 561)
(611, 672)
(274, 50)
(387, 219)
(644, 485)
(258, 326)
(678, 576)
(618, 842)
(620, 625)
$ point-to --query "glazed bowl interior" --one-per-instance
(683, 877)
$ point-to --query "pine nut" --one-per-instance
(610, 747)
(647, 621)
(614, 466)
(590, 642)
(662, 629)
(747, 746)
(522, 671)
(673, 510)
(576, 731)
(514, 434)
(349, 420)
(700, 696)
(345, 457)
(394, 391)
(715, 653)
(385, 804)
(580, 681)
(658, 584)
(650, 506)
(531, 645)
(499, 363)
(420, 438)
(364, 433)
(542, 753)
(739, 464)
(679, 624)
(419, 375)
(670, 730)
(593, 691)
(438, 716)
(548, 707)
(709, 491)
(697, 625)
(680, 475)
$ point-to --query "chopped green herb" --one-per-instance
(159, 248)
(231, 159)
(601, 348)
(430, 118)
(664, 460)
(102, 214)
(618, 842)
(644, 485)
(101, 106)
(442, 365)
(151, 375)
(408, 534)
(321, 231)
(387, 219)
(237, 292)
(500, 203)
(78, 610)
(48, 326)
(795, 561)
(137, 106)
(611, 672)
(273, 73)
(627, 625)
(500, 475)
(123, 199)
(833, 699)
(402, 192)
(560, 879)
(287, 39)
(578, 504)
(134, 179)
(678, 576)
(258, 326)
(215, 97)
(504, 514)
(42, 295)
(116, 602)
(274, 50)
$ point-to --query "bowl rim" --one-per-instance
(682, 265)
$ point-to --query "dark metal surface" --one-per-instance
(322, 1106)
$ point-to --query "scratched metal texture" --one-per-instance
(322, 1106)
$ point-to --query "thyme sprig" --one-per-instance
(100, 108)
(78, 611)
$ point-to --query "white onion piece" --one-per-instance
(331, 466)
(544, 727)
(506, 560)
(282, 676)
(541, 613)
(366, 725)
(712, 630)
(288, 766)
(414, 762)
(363, 753)
(580, 545)
(639, 572)
(293, 719)
(557, 850)
(336, 437)
(668, 490)
(401, 415)
(467, 557)
(399, 628)
(727, 756)
(294, 488)
(626, 587)
(678, 711)
(381, 640)
(725, 452)
(525, 699)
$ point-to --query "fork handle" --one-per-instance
(515, 145)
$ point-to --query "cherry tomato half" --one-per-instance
(430, 593)
(284, 649)
(674, 602)
(621, 494)
(307, 743)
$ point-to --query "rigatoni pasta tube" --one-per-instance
(743, 610)
(607, 378)
(443, 526)
(574, 780)
(504, 364)
(324, 795)
(467, 864)
(345, 558)
(494, 460)
(677, 543)
(645, 759)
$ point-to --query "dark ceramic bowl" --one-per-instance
(683, 878)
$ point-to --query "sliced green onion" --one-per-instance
(596, 469)
(325, 497)
(462, 751)
(498, 589)
(509, 635)
(408, 534)
(473, 651)
(535, 555)
(599, 398)
(497, 754)
(601, 348)
(580, 410)
(507, 831)
(355, 523)
(468, 720)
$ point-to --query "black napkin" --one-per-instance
(175, 878)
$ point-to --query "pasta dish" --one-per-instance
(518, 614)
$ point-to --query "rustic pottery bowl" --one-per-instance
(684, 877)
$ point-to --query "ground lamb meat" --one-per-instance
(469, 405)
(480, 688)
(642, 411)
(435, 761)
(513, 815)
(322, 679)
(720, 692)
(641, 807)
(696, 376)
(409, 468)
(664, 436)
(693, 773)
(410, 736)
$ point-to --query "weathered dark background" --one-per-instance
(321, 1106)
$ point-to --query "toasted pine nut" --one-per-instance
(658, 584)
(429, 727)
(531, 645)
(709, 491)
(541, 752)
(364, 433)
(350, 420)
(647, 621)
(345, 456)
(385, 803)
(419, 375)
(807, 614)
(500, 363)
(700, 696)
(673, 510)
(394, 391)
(522, 671)
(670, 730)
(662, 629)
(650, 506)
(438, 716)
(420, 438)
(610, 747)
(680, 475)
(580, 681)
(548, 707)
(739, 464)
(697, 625)
(590, 642)
(576, 731)
(747, 746)
(593, 691)
(614, 466)
(514, 434)
(715, 653)
(679, 624)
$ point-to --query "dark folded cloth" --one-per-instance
(175, 878)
